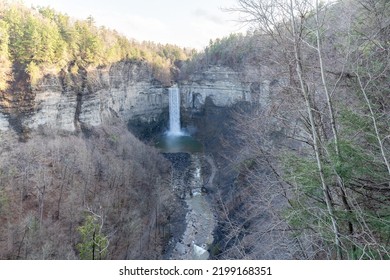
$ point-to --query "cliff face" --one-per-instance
(222, 85)
(4, 125)
(125, 90)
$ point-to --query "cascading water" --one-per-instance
(174, 112)
(187, 179)
(176, 140)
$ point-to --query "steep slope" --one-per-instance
(70, 196)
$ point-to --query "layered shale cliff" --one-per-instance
(126, 90)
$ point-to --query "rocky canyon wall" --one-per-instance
(221, 84)
(126, 90)
(224, 87)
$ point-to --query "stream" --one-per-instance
(193, 234)
(200, 221)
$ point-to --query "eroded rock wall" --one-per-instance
(4, 124)
(221, 84)
(126, 90)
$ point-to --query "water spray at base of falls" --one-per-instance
(176, 140)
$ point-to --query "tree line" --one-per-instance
(41, 40)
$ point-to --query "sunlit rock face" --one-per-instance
(54, 109)
(4, 125)
(221, 84)
(125, 90)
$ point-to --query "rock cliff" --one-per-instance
(126, 90)
(225, 87)
(222, 85)
(4, 125)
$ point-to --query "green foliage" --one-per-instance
(5, 63)
(233, 51)
(360, 153)
(49, 40)
(32, 39)
(93, 243)
(3, 201)
(307, 206)
(354, 162)
(34, 72)
(89, 44)
(303, 173)
(229, 50)
(355, 123)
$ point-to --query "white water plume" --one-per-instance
(174, 112)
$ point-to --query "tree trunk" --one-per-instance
(314, 134)
(340, 181)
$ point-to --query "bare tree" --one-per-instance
(305, 37)
(285, 22)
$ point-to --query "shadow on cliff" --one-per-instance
(149, 131)
(17, 102)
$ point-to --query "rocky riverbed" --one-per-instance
(191, 182)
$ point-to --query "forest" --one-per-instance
(313, 165)
(59, 189)
(303, 173)
(40, 41)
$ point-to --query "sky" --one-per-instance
(186, 23)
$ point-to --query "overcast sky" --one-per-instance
(187, 23)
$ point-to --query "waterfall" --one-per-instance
(174, 112)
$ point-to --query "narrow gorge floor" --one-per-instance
(200, 219)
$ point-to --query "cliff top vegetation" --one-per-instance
(40, 40)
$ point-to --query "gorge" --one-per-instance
(126, 92)
(269, 145)
(200, 218)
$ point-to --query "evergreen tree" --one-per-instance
(94, 243)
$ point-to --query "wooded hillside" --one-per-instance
(40, 41)
(314, 163)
